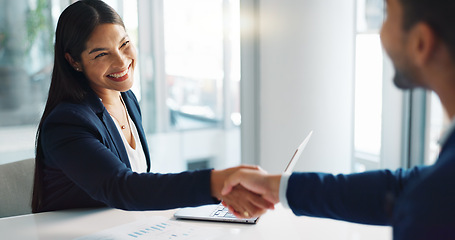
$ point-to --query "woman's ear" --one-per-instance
(73, 63)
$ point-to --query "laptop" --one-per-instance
(219, 213)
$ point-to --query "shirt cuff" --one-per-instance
(283, 189)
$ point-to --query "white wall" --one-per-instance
(306, 83)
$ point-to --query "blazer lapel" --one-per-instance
(118, 147)
(116, 138)
(135, 115)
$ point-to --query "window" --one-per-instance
(190, 82)
(368, 94)
(195, 64)
(26, 59)
(368, 85)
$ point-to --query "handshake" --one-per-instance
(248, 191)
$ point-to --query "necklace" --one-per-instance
(122, 126)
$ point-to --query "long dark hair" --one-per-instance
(74, 28)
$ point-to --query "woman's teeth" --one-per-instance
(119, 75)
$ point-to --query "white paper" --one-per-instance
(158, 228)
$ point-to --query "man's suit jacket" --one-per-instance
(86, 164)
(419, 203)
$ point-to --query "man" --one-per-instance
(418, 203)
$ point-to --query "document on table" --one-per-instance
(155, 228)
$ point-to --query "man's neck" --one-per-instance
(447, 98)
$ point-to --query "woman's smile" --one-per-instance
(120, 76)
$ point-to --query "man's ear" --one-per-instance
(73, 63)
(423, 43)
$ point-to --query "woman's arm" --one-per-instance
(73, 143)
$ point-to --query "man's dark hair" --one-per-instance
(439, 14)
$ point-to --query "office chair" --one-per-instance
(16, 183)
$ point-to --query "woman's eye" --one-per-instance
(100, 55)
(124, 44)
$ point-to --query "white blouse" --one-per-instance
(136, 156)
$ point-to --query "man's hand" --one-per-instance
(259, 182)
(241, 202)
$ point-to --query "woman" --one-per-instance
(91, 149)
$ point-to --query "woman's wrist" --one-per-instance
(216, 183)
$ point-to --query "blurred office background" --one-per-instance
(224, 82)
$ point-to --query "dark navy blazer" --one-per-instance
(86, 164)
(418, 203)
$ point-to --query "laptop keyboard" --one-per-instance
(222, 212)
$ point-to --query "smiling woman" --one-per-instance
(91, 146)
